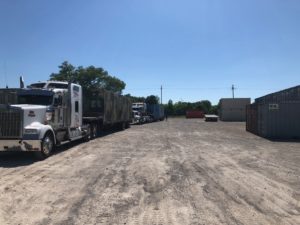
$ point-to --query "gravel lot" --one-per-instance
(184, 172)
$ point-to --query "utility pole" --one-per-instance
(161, 94)
(5, 73)
(233, 88)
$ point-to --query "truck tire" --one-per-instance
(47, 146)
(87, 137)
(127, 125)
(123, 126)
(94, 130)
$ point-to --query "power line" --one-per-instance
(204, 88)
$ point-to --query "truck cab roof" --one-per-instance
(50, 85)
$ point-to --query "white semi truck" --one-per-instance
(143, 113)
(52, 113)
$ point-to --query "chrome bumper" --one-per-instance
(20, 145)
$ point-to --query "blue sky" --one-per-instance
(196, 49)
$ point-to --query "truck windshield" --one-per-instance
(35, 99)
(137, 108)
(38, 85)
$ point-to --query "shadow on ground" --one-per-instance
(295, 140)
(19, 159)
(16, 159)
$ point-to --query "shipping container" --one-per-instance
(287, 95)
(279, 120)
(233, 109)
(252, 118)
(194, 114)
(276, 115)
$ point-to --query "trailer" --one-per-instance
(211, 118)
(144, 113)
(103, 109)
(156, 112)
(52, 113)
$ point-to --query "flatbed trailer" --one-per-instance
(211, 118)
(104, 109)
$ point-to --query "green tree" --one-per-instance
(170, 108)
(135, 99)
(67, 72)
(89, 78)
(206, 105)
(214, 110)
(152, 99)
(180, 108)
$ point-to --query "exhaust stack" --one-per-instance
(22, 82)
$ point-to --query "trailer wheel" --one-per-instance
(123, 126)
(47, 146)
(127, 125)
(94, 131)
(87, 137)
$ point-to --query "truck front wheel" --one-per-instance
(47, 146)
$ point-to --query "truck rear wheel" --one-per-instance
(123, 126)
(87, 136)
(47, 146)
(94, 131)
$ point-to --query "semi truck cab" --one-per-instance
(44, 115)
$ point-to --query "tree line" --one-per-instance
(180, 108)
(92, 78)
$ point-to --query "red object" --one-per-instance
(194, 114)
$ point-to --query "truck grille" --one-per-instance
(11, 123)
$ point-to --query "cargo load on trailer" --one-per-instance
(107, 108)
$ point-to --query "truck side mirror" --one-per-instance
(57, 101)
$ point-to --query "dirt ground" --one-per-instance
(184, 172)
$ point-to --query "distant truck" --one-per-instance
(52, 113)
(147, 112)
(139, 110)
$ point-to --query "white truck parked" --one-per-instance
(144, 113)
(47, 114)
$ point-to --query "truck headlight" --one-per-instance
(49, 116)
(31, 131)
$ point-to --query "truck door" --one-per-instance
(58, 111)
(76, 105)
